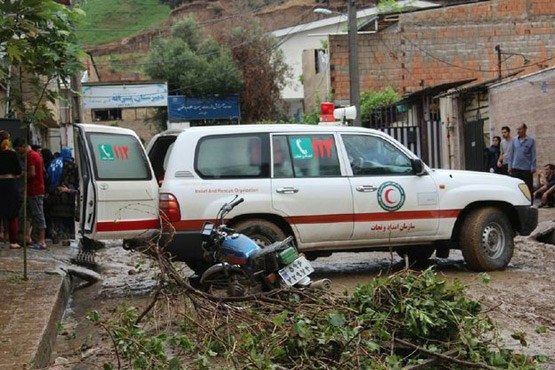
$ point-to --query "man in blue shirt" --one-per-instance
(522, 162)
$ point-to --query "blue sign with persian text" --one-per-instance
(182, 108)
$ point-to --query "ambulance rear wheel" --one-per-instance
(486, 239)
(263, 232)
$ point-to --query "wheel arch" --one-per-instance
(504, 207)
(275, 219)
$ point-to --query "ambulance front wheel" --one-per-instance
(486, 239)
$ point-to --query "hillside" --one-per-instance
(109, 20)
(118, 34)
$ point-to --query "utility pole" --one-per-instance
(354, 77)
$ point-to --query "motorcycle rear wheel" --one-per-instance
(228, 284)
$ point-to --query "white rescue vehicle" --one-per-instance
(333, 188)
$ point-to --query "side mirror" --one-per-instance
(418, 167)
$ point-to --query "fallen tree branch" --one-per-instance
(443, 356)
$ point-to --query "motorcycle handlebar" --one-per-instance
(234, 203)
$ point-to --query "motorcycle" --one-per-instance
(241, 267)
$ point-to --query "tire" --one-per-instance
(261, 231)
(418, 255)
(486, 239)
(228, 284)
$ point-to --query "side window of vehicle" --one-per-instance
(311, 155)
(118, 157)
(233, 156)
(372, 155)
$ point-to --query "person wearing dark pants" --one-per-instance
(505, 151)
(10, 203)
(522, 161)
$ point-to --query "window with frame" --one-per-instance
(113, 114)
(372, 155)
(233, 156)
(118, 157)
(310, 155)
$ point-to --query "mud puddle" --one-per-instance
(127, 278)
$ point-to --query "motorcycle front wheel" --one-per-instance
(228, 283)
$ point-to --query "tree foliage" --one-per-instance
(374, 99)
(264, 71)
(192, 63)
(38, 51)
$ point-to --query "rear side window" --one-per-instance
(309, 155)
(233, 156)
(118, 157)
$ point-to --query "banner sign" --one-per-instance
(124, 96)
(181, 108)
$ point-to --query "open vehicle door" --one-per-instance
(119, 193)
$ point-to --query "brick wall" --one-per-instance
(530, 100)
(430, 47)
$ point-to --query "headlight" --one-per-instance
(524, 189)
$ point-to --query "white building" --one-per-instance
(314, 35)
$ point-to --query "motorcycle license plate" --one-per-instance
(296, 271)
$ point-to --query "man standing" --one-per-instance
(505, 151)
(522, 160)
(35, 193)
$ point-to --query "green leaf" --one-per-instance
(521, 337)
(485, 278)
(541, 329)
(337, 319)
(280, 318)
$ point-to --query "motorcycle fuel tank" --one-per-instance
(237, 248)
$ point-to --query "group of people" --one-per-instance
(517, 157)
(52, 182)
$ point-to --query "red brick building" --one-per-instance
(424, 54)
(431, 47)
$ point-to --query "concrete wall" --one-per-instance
(315, 83)
(530, 99)
(430, 47)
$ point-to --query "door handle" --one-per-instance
(287, 190)
(366, 188)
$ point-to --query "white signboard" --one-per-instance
(124, 96)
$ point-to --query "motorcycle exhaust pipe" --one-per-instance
(322, 284)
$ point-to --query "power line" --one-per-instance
(431, 55)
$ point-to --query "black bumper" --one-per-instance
(527, 219)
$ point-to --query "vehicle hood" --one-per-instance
(475, 185)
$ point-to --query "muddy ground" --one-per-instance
(519, 299)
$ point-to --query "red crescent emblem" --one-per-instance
(386, 196)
